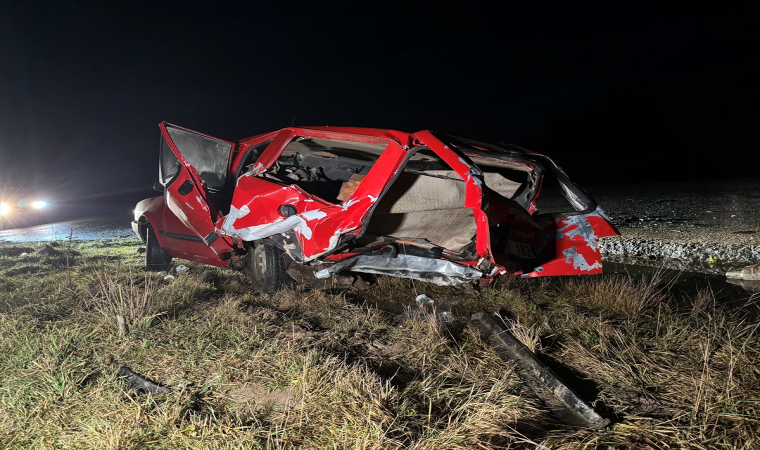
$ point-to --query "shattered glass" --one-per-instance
(208, 156)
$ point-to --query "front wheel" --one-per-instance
(156, 257)
(266, 268)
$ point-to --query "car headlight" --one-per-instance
(4, 208)
(39, 204)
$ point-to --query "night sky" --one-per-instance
(613, 94)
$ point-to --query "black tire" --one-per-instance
(156, 258)
(266, 268)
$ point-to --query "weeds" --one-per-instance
(127, 303)
(530, 336)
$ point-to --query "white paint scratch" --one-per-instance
(347, 204)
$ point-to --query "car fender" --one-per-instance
(151, 212)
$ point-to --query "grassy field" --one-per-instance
(325, 370)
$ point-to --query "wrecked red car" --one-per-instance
(328, 202)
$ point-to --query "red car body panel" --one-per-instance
(193, 208)
(510, 237)
(171, 233)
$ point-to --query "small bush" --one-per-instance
(126, 303)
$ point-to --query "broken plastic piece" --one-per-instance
(138, 383)
(560, 399)
(446, 317)
(181, 268)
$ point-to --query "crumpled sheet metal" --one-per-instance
(437, 271)
(298, 222)
(320, 226)
(577, 245)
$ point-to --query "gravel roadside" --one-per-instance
(708, 225)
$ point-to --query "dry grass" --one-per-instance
(316, 369)
(530, 336)
(618, 294)
(126, 303)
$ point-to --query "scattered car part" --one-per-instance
(423, 205)
(138, 383)
(438, 271)
(566, 405)
(423, 300)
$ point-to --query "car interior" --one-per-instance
(425, 204)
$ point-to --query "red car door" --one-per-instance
(193, 165)
(574, 249)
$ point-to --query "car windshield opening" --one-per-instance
(322, 167)
(208, 156)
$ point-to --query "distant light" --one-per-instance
(4, 209)
(39, 204)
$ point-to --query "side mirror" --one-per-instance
(157, 186)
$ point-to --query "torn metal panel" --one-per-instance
(438, 271)
(299, 223)
(579, 261)
(578, 228)
(576, 248)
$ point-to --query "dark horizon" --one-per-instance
(614, 95)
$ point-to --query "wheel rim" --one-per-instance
(259, 262)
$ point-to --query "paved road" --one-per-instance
(716, 211)
(85, 230)
(692, 223)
